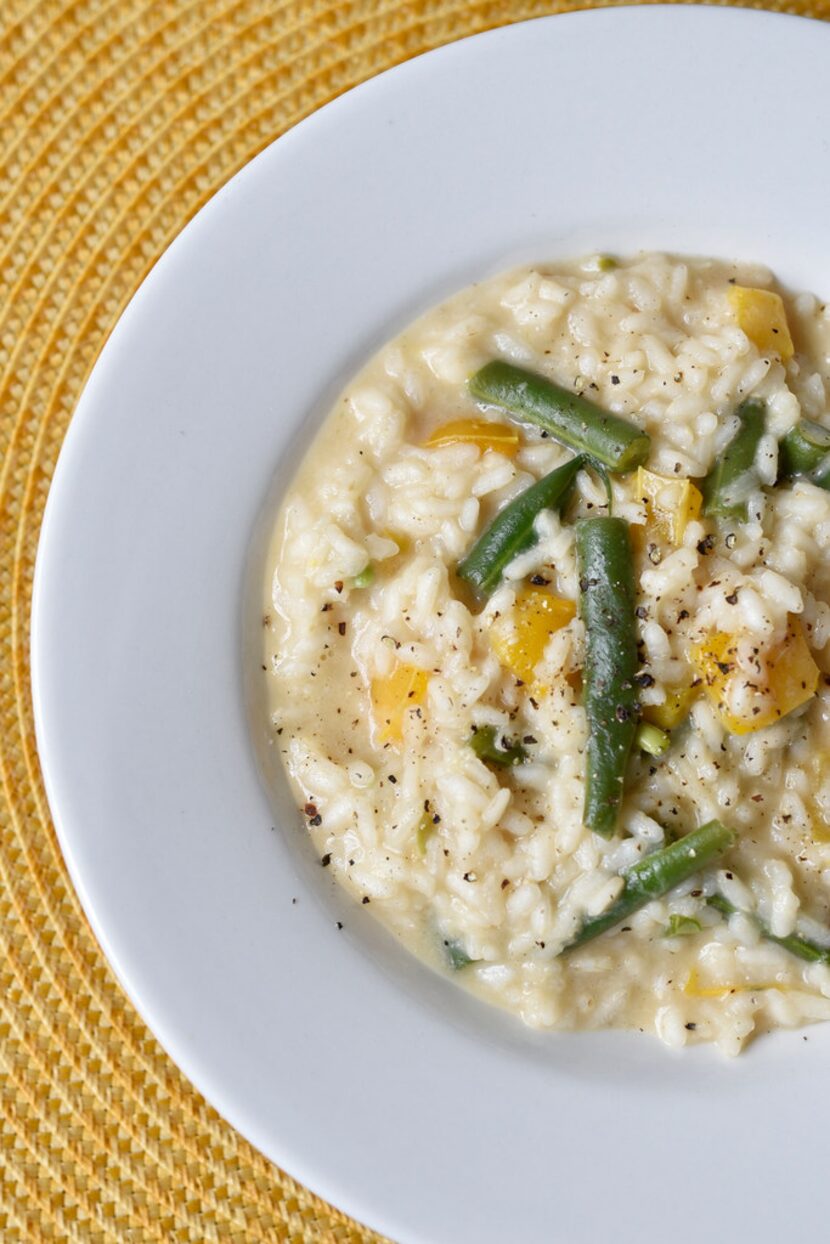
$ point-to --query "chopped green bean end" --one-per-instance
(820, 476)
(426, 828)
(456, 955)
(681, 926)
(366, 577)
(489, 748)
(651, 739)
(804, 451)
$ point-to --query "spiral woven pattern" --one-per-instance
(118, 120)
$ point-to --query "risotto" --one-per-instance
(546, 634)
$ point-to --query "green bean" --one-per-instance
(606, 585)
(567, 417)
(658, 873)
(805, 450)
(485, 744)
(727, 487)
(801, 947)
(512, 530)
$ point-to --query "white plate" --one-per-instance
(423, 1113)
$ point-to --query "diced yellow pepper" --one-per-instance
(761, 315)
(671, 504)
(497, 436)
(785, 677)
(673, 710)
(519, 637)
(393, 696)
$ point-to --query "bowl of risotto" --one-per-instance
(544, 624)
(431, 638)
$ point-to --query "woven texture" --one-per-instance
(119, 119)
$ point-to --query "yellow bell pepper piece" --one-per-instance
(673, 710)
(761, 315)
(519, 637)
(393, 696)
(497, 436)
(785, 677)
(671, 504)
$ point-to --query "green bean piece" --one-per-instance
(366, 576)
(512, 530)
(567, 417)
(821, 475)
(456, 955)
(425, 830)
(651, 739)
(606, 585)
(803, 448)
(801, 947)
(727, 487)
(681, 926)
(485, 743)
(805, 451)
(659, 873)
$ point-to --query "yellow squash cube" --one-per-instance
(785, 677)
(761, 315)
(671, 504)
(393, 696)
(520, 636)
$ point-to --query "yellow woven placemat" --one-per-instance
(118, 119)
